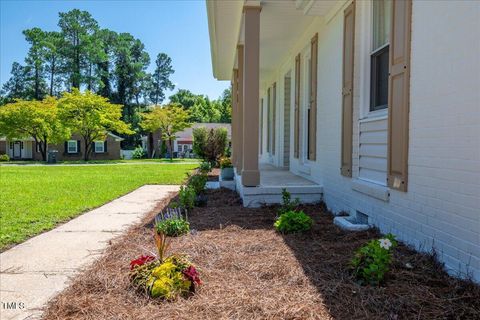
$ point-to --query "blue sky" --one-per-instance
(178, 28)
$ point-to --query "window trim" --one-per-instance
(68, 146)
(103, 146)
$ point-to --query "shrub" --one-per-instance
(198, 183)
(287, 203)
(226, 163)
(173, 227)
(186, 197)
(293, 221)
(138, 153)
(199, 141)
(4, 157)
(205, 167)
(210, 145)
(372, 261)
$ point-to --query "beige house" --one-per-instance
(370, 106)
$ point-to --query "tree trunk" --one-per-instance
(37, 84)
(150, 145)
(52, 75)
(170, 142)
(86, 155)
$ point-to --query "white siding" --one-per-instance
(442, 206)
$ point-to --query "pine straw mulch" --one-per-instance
(251, 272)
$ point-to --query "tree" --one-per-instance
(169, 119)
(37, 119)
(35, 60)
(108, 42)
(91, 116)
(184, 97)
(77, 28)
(226, 106)
(53, 44)
(210, 145)
(17, 87)
(161, 78)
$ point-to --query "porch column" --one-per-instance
(251, 87)
(240, 109)
(234, 116)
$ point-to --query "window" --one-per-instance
(379, 55)
(72, 146)
(99, 147)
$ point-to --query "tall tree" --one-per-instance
(91, 116)
(53, 43)
(77, 28)
(108, 42)
(35, 60)
(161, 78)
(37, 119)
(169, 119)
(18, 86)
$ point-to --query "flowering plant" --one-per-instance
(141, 261)
(168, 279)
(372, 261)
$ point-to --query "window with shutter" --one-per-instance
(399, 95)
(296, 124)
(312, 111)
(347, 89)
(72, 146)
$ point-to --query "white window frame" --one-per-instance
(366, 45)
(99, 143)
(68, 146)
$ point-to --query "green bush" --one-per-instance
(372, 261)
(198, 183)
(138, 153)
(287, 203)
(173, 227)
(200, 141)
(210, 145)
(293, 221)
(205, 167)
(4, 157)
(186, 197)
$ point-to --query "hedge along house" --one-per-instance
(370, 106)
(72, 149)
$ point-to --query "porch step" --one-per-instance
(267, 195)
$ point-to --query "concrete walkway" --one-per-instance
(33, 272)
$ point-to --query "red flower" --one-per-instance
(192, 274)
(140, 261)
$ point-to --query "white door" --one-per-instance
(17, 151)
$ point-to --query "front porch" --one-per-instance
(272, 181)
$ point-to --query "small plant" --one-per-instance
(198, 183)
(372, 261)
(138, 153)
(226, 163)
(172, 223)
(205, 167)
(287, 203)
(186, 197)
(293, 221)
(4, 157)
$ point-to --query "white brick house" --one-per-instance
(370, 106)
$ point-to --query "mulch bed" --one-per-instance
(251, 272)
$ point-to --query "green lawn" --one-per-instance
(35, 198)
(162, 160)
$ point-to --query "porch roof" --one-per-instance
(282, 23)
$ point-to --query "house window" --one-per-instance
(72, 146)
(379, 55)
(179, 147)
(99, 147)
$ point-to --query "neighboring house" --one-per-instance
(370, 106)
(73, 149)
(183, 144)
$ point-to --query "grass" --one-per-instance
(36, 198)
(162, 160)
